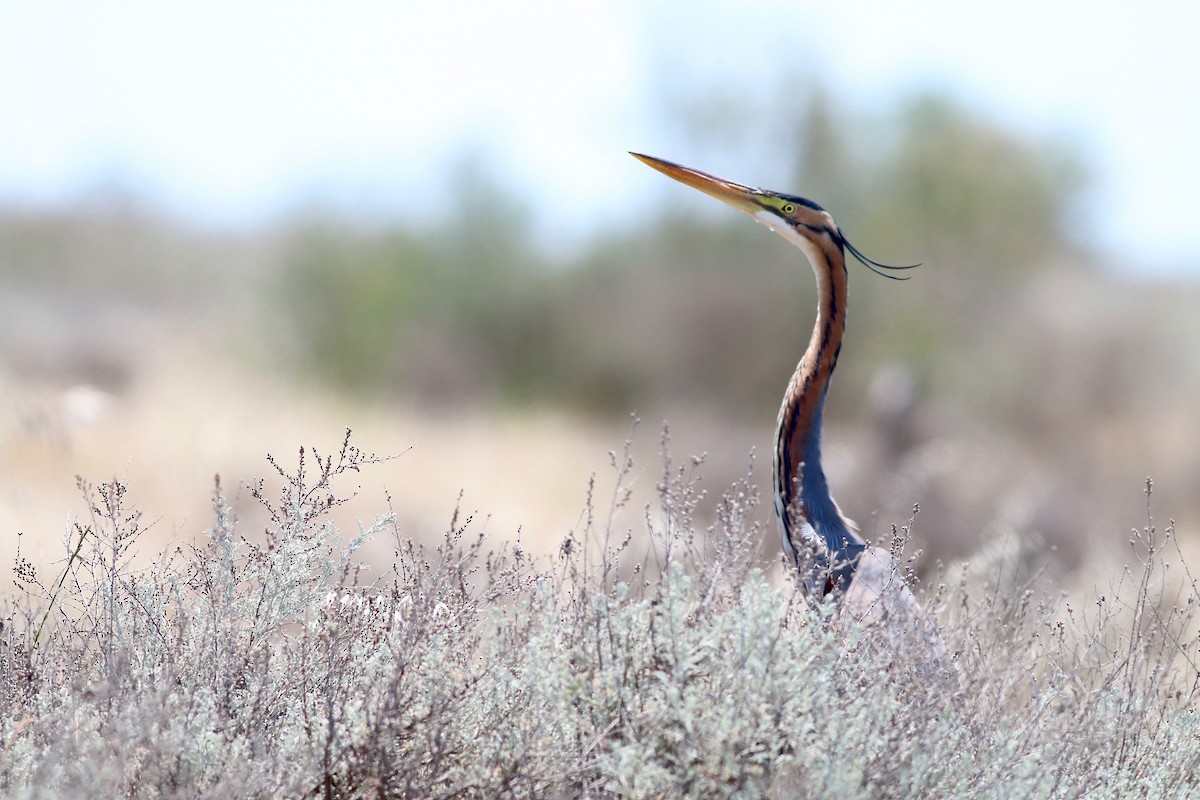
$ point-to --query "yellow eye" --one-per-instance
(789, 208)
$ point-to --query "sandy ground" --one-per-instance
(523, 475)
(184, 421)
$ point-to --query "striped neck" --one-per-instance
(818, 539)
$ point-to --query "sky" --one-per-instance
(233, 113)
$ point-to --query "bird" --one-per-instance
(833, 562)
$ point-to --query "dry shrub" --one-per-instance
(647, 658)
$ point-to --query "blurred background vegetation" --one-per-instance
(1019, 387)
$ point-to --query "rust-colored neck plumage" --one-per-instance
(816, 536)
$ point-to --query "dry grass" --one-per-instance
(649, 657)
(187, 418)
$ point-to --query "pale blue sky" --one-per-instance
(229, 112)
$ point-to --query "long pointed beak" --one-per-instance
(743, 198)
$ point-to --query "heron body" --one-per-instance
(822, 544)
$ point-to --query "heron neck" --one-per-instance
(798, 466)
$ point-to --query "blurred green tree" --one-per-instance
(692, 305)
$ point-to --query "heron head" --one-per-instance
(785, 214)
(797, 219)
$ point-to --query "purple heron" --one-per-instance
(823, 545)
